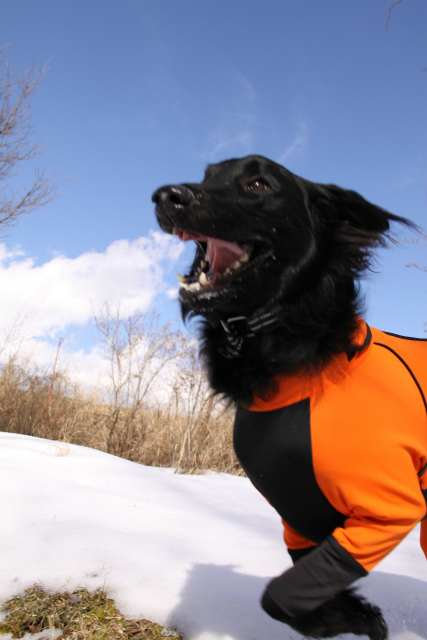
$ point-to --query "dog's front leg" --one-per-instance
(312, 597)
(346, 612)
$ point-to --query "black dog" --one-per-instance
(275, 279)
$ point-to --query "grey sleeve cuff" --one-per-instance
(315, 578)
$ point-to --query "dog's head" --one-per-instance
(265, 236)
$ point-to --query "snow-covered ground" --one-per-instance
(190, 552)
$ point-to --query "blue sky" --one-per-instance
(144, 93)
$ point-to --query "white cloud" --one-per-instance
(223, 141)
(173, 293)
(39, 303)
(87, 370)
(298, 145)
(62, 292)
(235, 117)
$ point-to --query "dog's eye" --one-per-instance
(257, 186)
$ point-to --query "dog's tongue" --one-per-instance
(221, 254)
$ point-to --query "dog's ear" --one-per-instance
(351, 208)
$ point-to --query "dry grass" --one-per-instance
(79, 616)
(163, 436)
(188, 429)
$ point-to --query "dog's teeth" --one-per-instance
(203, 265)
(193, 286)
(237, 265)
(181, 278)
(227, 272)
(174, 231)
(203, 279)
(246, 257)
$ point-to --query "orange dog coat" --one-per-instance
(344, 453)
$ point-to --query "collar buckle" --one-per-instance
(239, 328)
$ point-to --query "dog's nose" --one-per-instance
(173, 197)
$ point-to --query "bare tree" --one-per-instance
(156, 392)
(141, 356)
(422, 240)
(17, 142)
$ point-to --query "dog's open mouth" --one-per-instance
(217, 263)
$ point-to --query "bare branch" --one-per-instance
(422, 240)
(417, 266)
(389, 13)
(17, 144)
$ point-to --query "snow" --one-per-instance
(189, 552)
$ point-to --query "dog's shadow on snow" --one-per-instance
(221, 601)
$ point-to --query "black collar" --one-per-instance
(239, 328)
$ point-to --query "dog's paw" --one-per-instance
(347, 612)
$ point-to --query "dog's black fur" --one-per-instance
(309, 243)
